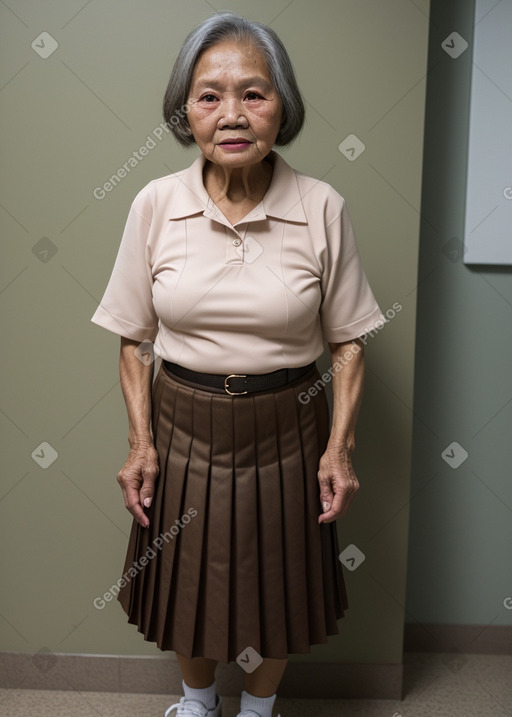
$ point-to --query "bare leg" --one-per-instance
(198, 672)
(265, 679)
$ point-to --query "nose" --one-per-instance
(232, 114)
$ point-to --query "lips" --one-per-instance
(235, 140)
(236, 144)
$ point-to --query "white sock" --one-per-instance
(262, 705)
(206, 695)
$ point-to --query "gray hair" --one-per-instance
(229, 26)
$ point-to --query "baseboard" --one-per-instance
(160, 675)
(469, 639)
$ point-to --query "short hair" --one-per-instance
(230, 26)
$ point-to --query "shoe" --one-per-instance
(187, 707)
(248, 713)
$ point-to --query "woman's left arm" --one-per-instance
(338, 482)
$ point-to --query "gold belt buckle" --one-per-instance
(234, 375)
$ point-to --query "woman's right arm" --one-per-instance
(138, 475)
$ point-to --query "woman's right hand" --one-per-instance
(137, 480)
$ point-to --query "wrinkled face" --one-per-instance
(234, 111)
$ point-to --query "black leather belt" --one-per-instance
(238, 384)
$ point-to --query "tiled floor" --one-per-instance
(435, 686)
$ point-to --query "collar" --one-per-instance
(281, 201)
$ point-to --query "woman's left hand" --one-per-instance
(338, 483)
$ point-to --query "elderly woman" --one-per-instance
(236, 269)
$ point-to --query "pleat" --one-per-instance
(294, 539)
(127, 593)
(212, 626)
(313, 426)
(146, 587)
(248, 566)
(130, 596)
(270, 531)
(158, 575)
(327, 597)
(335, 595)
(191, 462)
(245, 603)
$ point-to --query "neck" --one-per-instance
(238, 184)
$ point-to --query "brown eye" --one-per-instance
(253, 96)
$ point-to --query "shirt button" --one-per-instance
(237, 242)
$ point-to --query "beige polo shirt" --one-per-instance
(251, 297)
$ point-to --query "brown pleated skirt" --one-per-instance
(234, 556)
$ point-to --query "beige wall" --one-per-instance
(69, 122)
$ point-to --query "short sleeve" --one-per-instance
(348, 308)
(127, 304)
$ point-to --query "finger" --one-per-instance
(339, 507)
(148, 486)
(326, 495)
(334, 511)
(133, 504)
(139, 515)
(130, 495)
(326, 500)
